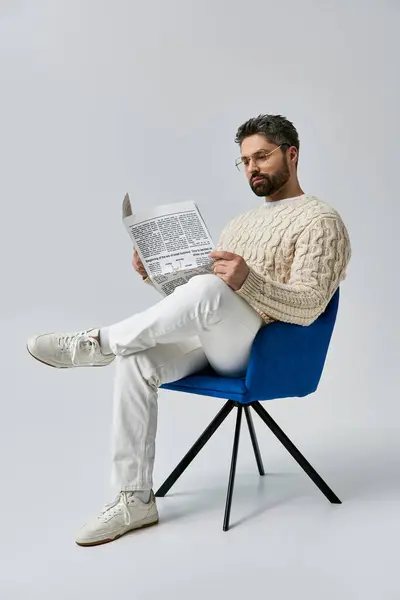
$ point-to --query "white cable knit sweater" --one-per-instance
(298, 251)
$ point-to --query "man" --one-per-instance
(282, 260)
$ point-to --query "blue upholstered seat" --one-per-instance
(286, 360)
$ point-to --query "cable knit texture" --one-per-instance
(298, 251)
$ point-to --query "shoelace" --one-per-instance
(73, 344)
(121, 496)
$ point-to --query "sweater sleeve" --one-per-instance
(322, 253)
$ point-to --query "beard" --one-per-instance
(270, 184)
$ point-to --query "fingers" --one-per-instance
(220, 266)
(220, 269)
(222, 254)
(136, 259)
(137, 264)
(141, 272)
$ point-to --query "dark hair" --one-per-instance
(277, 129)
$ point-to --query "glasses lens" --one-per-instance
(239, 165)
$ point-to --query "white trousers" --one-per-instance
(202, 322)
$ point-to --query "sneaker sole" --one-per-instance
(60, 366)
(108, 540)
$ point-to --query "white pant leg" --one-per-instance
(205, 306)
(160, 345)
(137, 379)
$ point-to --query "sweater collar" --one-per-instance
(285, 201)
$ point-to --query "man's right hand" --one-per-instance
(138, 265)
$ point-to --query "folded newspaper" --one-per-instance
(172, 241)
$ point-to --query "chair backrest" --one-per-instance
(287, 360)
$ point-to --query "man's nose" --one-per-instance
(253, 168)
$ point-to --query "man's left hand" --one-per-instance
(231, 268)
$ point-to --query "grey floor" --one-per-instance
(286, 539)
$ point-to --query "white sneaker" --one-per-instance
(63, 350)
(126, 513)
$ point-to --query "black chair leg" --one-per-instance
(195, 449)
(233, 469)
(254, 440)
(290, 447)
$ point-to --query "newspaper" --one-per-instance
(172, 241)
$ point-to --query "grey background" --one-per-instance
(102, 97)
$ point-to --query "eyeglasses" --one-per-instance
(259, 157)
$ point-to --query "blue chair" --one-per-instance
(286, 360)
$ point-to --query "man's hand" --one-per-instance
(138, 265)
(230, 267)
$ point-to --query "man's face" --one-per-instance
(266, 171)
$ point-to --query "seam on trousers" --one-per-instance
(143, 446)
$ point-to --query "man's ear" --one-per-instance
(293, 155)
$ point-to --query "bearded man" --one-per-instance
(282, 260)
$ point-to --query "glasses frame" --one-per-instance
(239, 161)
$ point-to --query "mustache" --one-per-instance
(258, 177)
